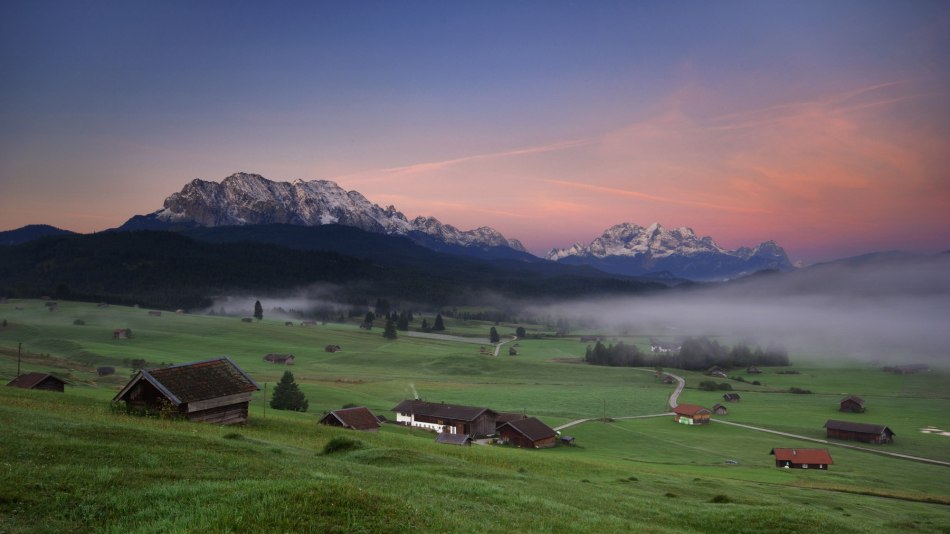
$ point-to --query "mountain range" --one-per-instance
(250, 199)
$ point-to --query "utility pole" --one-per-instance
(605, 410)
(19, 347)
(265, 400)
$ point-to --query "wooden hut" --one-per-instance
(332, 348)
(851, 403)
(121, 333)
(528, 433)
(447, 418)
(41, 381)
(280, 359)
(719, 409)
(358, 418)
(731, 397)
(716, 371)
(691, 414)
(802, 458)
(247, 320)
(753, 370)
(154, 313)
(865, 432)
(308, 323)
(454, 439)
(213, 391)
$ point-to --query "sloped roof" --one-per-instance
(861, 428)
(31, 380)
(196, 381)
(854, 398)
(441, 410)
(453, 439)
(728, 396)
(689, 409)
(531, 428)
(359, 418)
(803, 456)
(503, 417)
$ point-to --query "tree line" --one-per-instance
(695, 354)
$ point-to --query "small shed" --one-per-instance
(121, 333)
(288, 323)
(105, 370)
(180, 311)
(716, 371)
(42, 381)
(332, 348)
(281, 359)
(529, 432)
(864, 432)
(668, 379)
(366, 325)
(512, 351)
(247, 320)
(719, 409)
(358, 418)
(753, 370)
(308, 323)
(454, 439)
(851, 403)
(154, 313)
(731, 397)
(691, 414)
(567, 440)
(212, 391)
(802, 458)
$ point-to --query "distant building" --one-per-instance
(121, 333)
(530, 432)
(154, 313)
(753, 370)
(41, 381)
(332, 348)
(719, 409)
(851, 403)
(358, 418)
(716, 371)
(448, 418)
(731, 397)
(212, 391)
(802, 458)
(282, 359)
(691, 414)
(863, 432)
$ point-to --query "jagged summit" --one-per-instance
(247, 198)
(636, 250)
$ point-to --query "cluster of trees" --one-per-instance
(696, 354)
(701, 353)
(619, 355)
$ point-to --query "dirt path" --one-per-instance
(447, 337)
(681, 383)
(500, 343)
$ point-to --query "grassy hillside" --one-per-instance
(73, 464)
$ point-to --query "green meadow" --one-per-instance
(73, 463)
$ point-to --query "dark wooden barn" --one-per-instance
(42, 381)
(731, 397)
(121, 333)
(719, 409)
(358, 418)
(753, 370)
(281, 359)
(802, 458)
(449, 418)
(691, 414)
(864, 432)
(851, 403)
(528, 433)
(504, 417)
(212, 391)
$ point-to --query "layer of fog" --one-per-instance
(893, 310)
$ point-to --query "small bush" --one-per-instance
(670, 495)
(708, 385)
(721, 499)
(349, 405)
(725, 387)
(799, 391)
(756, 383)
(341, 444)
(232, 435)
(79, 322)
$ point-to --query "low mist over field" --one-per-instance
(885, 309)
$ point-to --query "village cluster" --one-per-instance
(218, 391)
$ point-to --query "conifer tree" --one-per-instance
(493, 335)
(425, 325)
(287, 396)
(258, 310)
(403, 322)
(438, 326)
(390, 331)
(520, 332)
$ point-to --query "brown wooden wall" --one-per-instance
(50, 384)
(222, 415)
(857, 436)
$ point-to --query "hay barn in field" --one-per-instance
(529, 433)
(282, 359)
(851, 403)
(802, 458)
(41, 381)
(212, 391)
(358, 418)
(863, 432)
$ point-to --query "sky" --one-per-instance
(820, 125)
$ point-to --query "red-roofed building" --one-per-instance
(213, 391)
(43, 381)
(802, 458)
(691, 414)
(358, 418)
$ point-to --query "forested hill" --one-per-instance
(172, 270)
